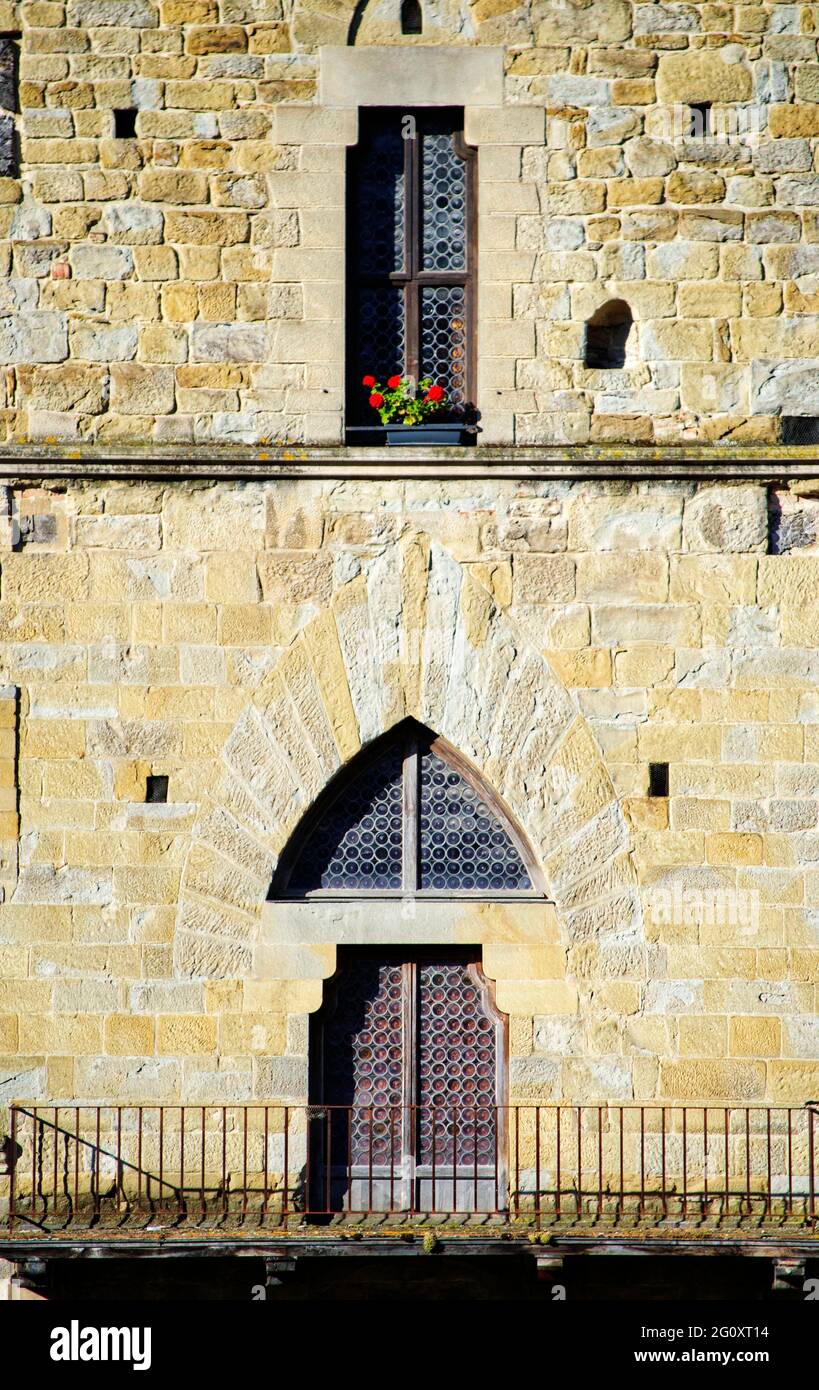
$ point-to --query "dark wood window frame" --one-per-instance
(413, 738)
(412, 278)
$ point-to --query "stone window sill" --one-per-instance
(205, 462)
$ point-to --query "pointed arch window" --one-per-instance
(409, 817)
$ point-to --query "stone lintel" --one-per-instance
(399, 76)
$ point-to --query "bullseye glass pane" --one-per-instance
(443, 200)
(380, 201)
(443, 339)
(364, 1062)
(462, 845)
(357, 843)
(457, 1068)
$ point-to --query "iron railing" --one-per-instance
(249, 1168)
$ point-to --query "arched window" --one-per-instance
(607, 334)
(412, 18)
(409, 816)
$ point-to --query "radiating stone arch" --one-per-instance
(412, 633)
(339, 22)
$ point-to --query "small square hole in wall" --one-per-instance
(156, 789)
(700, 119)
(125, 123)
(658, 779)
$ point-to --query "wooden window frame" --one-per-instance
(413, 739)
(412, 278)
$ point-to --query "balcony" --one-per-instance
(532, 1173)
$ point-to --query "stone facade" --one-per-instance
(183, 282)
(245, 640)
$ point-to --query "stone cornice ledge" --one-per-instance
(206, 463)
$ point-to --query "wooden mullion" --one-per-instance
(409, 973)
(446, 278)
(470, 293)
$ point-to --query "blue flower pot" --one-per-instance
(420, 436)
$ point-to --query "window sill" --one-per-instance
(206, 462)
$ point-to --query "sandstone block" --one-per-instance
(142, 390)
(696, 75)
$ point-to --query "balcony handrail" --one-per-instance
(265, 1164)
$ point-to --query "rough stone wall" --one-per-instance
(187, 284)
(145, 623)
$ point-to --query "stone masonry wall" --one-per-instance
(187, 283)
(147, 623)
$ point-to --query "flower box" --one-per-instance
(434, 434)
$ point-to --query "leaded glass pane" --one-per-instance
(462, 845)
(357, 843)
(380, 347)
(443, 202)
(380, 201)
(364, 1062)
(443, 339)
(457, 1067)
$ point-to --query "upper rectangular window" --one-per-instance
(411, 256)
(8, 104)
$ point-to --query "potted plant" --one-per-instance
(407, 410)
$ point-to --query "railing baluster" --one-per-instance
(77, 1165)
(685, 1161)
(537, 1165)
(663, 1168)
(642, 1162)
(496, 1132)
(599, 1161)
(349, 1189)
(34, 1164)
(369, 1162)
(181, 1209)
(286, 1179)
(705, 1159)
(266, 1180)
(328, 1167)
(811, 1169)
(13, 1167)
(454, 1159)
(558, 1112)
(56, 1147)
(517, 1162)
(203, 1141)
(726, 1115)
(579, 1160)
(621, 1191)
(225, 1202)
(96, 1167)
(748, 1159)
(161, 1155)
(769, 1178)
(790, 1197)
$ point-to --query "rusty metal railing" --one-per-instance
(246, 1168)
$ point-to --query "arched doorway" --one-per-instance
(408, 1055)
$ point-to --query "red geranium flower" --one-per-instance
(394, 382)
(435, 393)
(376, 400)
(368, 381)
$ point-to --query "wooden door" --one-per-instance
(408, 1061)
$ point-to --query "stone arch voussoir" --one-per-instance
(412, 633)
